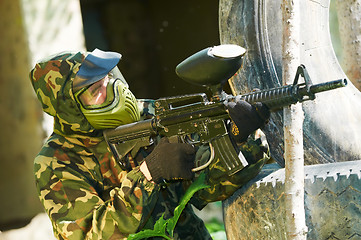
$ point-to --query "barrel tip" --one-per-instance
(344, 81)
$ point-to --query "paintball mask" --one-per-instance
(102, 92)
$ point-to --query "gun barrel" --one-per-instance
(321, 87)
(276, 98)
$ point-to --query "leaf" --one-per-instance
(161, 225)
(147, 233)
(193, 188)
(158, 231)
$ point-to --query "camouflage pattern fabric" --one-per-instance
(85, 192)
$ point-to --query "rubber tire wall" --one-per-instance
(332, 204)
(331, 129)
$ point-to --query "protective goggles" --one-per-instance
(100, 94)
(95, 66)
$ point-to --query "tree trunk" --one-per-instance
(22, 130)
(349, 18)
(21, 136)
(293, 130)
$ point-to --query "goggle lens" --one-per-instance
(98, 95)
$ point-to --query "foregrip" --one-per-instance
(273, 98)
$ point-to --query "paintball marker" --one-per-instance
(180, 117)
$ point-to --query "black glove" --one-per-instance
(246, 118)
(171, 161)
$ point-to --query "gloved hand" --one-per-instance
(246, 118)
(171, 161)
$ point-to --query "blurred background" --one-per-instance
(152, 36)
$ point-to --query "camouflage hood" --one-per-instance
(52, 80)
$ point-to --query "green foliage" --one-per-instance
(214, 225)
(164, 228)
(216, 228)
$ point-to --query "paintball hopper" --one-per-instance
(212, 67)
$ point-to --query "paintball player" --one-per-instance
(85, 191)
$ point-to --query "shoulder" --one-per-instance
(59, 155)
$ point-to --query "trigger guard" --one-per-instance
(204, 166)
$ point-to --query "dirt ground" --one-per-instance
(38, 229)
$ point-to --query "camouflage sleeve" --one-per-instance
(77, 208)
(222, 186)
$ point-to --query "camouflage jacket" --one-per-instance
(84, 190)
